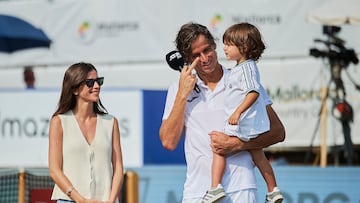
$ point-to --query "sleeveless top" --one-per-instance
(87, 166)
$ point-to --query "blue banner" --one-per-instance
(299, 184)
(154, 153)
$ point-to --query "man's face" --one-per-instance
(207, 54)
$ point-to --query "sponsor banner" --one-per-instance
(119, 31)
(294, 86)
(296, 89)
(298, 184)
(24, 123)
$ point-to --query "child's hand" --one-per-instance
(234, 119)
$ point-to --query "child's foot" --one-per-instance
(274, 197)
(214, 195)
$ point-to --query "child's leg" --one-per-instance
(264, 167)
(216, 192)
(218, 168)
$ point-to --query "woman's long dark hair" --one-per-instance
(73, 78)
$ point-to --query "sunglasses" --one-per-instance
(91, 82)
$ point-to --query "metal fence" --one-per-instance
(28, 185)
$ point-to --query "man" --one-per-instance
(29, 77)
(201, 117)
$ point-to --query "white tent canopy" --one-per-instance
(337, 12)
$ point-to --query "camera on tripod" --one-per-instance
(339, 57)
(336, 51)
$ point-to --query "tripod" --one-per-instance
(342, 110)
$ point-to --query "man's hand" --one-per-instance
(226, 145)
(187, 79)
(223, 144)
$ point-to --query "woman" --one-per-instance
(85, 159)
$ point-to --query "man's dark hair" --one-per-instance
(187, 34)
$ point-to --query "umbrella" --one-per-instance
(337, 12)
(17, 34)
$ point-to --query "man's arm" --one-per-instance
(226, 145)
(172, 127)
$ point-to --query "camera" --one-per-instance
(336, 51)
(331, 30)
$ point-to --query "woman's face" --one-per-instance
(89, 90)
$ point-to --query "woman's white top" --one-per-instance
(87, 166)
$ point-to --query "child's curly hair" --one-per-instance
(247, 38)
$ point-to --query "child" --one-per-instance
(245, 106)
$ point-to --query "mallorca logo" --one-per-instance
(215, 21)
(86, 32)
